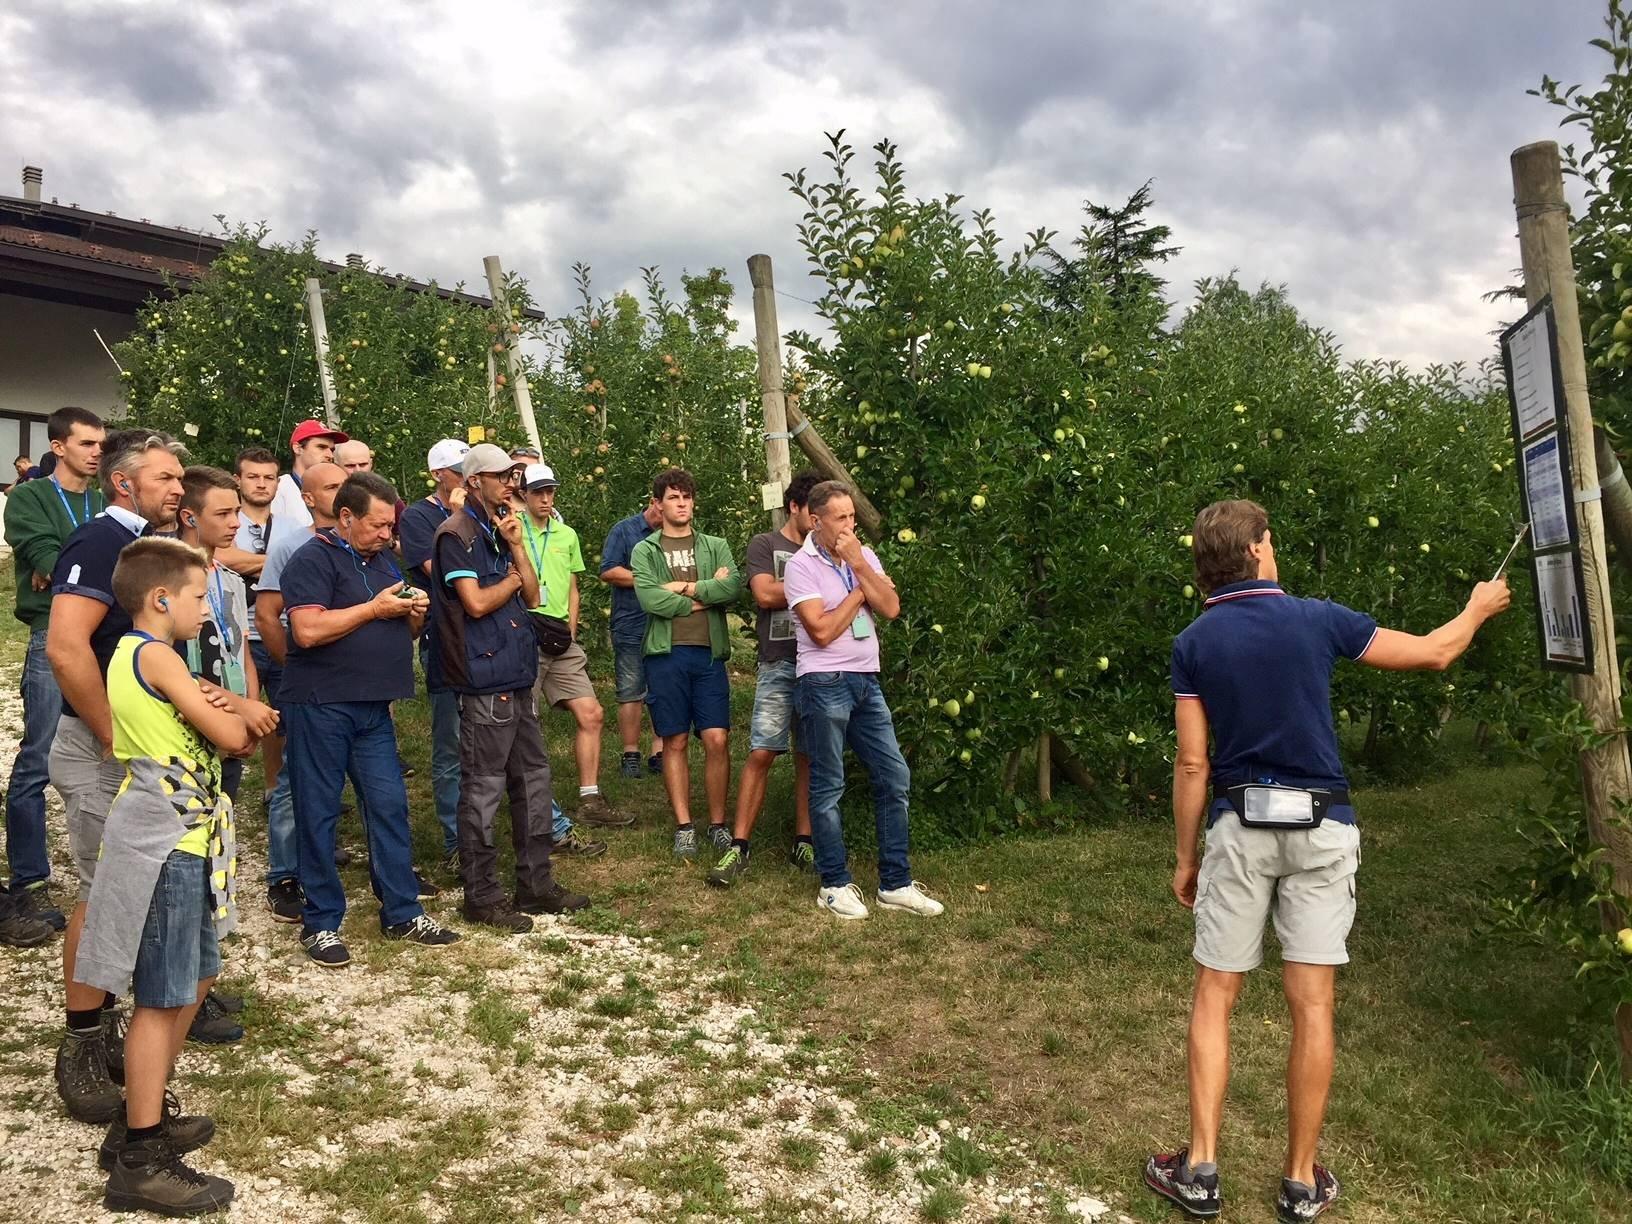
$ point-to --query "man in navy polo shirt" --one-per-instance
(1254, 671)
(351, 644)
(483, 582)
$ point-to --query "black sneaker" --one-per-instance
(424, 890)
(402, 764)
(572, 843)
(186, 1132)
(82, 1078)
(422, 930)
(654, 763)
(151, 1176)
(1194, 1194)
(631, 765)
(719, 837)
(286, 901)
(212, 1026)
(327, 949)
(36, 902)
(802, 857)
(113, 1043)
(1298, 1202)
(731, 865)
(554, 900)
(500, 917)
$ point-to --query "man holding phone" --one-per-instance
(1253, 672)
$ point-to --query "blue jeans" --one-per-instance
(445, 765)
(282, 850)
(179, 948)
(25, 800)
(326, 743)
(839, 708)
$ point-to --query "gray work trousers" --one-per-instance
(501, 751)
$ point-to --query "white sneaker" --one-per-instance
(912, 898)
(843, 902)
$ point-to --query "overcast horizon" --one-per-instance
(1358, 155)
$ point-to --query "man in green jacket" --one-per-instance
(40, 515)
(684, 580)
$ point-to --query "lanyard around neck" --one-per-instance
(843, 571)
(535, 550)
(216, 592)
(69, 510)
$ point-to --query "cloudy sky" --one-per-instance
(1355, 152)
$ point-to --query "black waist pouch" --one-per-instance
(1264, 806)
(554, 634)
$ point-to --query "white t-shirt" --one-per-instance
(289, 511)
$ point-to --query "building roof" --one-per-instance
(70, 254)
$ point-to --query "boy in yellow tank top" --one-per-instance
(163, 895)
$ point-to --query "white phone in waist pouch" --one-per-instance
(1263, 806)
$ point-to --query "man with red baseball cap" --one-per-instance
(312, 442)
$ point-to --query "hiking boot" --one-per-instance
(150, 1176)
(422, 930)
(186, 1132)
(500, 917)
(685, 842)
(842, 902)
(912, 898)
(286, 901)
(19, 932)
(571, 843)
(327, 949)
(1298, 1202)
(719, 837)
(113, 1043)
(802, 857)
(731, 865)
(229, 1003)
(212, 1026)
(630, 767)
(424, 890)
(36, 902)
(82, 1078)
(1195, 1194)
(554, 900)
(595, 810)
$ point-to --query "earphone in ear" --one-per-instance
(164, 603)
(189, 520)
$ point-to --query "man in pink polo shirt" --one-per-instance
(835, 588)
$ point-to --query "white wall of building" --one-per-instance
(49, 357)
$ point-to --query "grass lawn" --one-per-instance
(1049, 1003)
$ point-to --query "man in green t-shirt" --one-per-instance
(563, 679)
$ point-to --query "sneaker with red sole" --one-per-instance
(1298, 1202)
(1195, 1194)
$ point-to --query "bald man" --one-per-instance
(354, 456)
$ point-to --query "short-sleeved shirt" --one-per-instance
(557, 556)
(628, 618)
(277, 557)
(85, 567)
(812, 574)
(290, 513)
(374, 662)
(252, 537)
(769, 553)
(1260, 662)
(467, 546)
(414, 532)
(680, 554)
(217, 653)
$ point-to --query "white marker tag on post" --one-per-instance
(770, 496)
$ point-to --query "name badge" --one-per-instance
(862, 626)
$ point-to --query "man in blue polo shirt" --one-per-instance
(629, 631)
(352, 624)
(1254, 672)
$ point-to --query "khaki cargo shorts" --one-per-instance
(1304, 877)
(563, 677)
(88, 783)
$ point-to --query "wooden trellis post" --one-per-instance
(518, 371)
(320, 343)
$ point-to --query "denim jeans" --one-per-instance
(839, 708)
(326, 743)
(445, 764)
(282, 850)
(25, 799)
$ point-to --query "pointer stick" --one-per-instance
(1502, 568)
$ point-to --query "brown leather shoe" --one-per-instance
(595, 810)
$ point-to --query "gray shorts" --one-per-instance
(563, 677)
(87, 782)
(629, 664)
(1305, 877)
(774, 720)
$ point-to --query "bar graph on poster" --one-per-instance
(1563, 621)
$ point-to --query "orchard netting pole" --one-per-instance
(518, 369)
(773, 403)
(320, 343)
(1606, 772)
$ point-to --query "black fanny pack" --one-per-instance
(1262, 805)
(554, 634)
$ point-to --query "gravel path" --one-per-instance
(564, 1072)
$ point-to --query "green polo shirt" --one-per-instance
(556, 556)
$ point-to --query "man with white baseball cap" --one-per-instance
(419, 524)
(563, 676)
